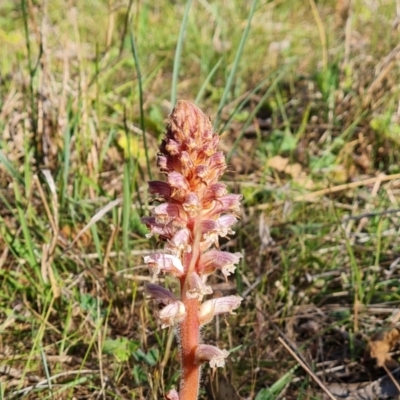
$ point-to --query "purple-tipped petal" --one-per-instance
(173, 147)
(160, 294)
(212, 230)
(161, 188)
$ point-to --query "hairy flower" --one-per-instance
(197, 288)
(212, 354)
(215, 259)
(213, 230)
(180, 242)
(166, 263)
(172, 313)
(220, 305)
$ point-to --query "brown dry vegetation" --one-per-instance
(311, 128)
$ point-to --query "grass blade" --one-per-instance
(10, 168)
(140, 86)
(207, 81)
(235, 65)
(178, 52)
(253, 114)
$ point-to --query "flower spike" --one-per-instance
(193, 211)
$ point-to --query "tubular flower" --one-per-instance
(220, 305)
(194, 210)
(214, 259)
(212, 354)
(172, 314)
(166, 263)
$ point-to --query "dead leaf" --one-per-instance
(294, 170)
(380, 345)
(279, 163)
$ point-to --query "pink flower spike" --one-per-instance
(172, 395)
(192, 212)
(197, 288)
(166, 263)
(212, 354)
(214, 259)
(220, 305)
(160, 294)
(172, 313)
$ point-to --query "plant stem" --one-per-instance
(190, 336)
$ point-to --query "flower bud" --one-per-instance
(160, 294)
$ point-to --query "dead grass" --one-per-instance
(314, 149)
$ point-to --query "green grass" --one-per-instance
(305, 100)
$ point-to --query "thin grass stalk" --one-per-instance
(253, 114)
(178, 52)
(140, 87)
(207, 81)
(235, 65)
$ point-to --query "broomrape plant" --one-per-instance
(194, 211)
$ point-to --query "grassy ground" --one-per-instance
(306, 98)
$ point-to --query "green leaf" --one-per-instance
(289, 142)
(122, 348)
(276, 389)
(150, 358)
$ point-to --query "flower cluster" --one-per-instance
(194, 211)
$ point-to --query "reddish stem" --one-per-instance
(190, 336)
